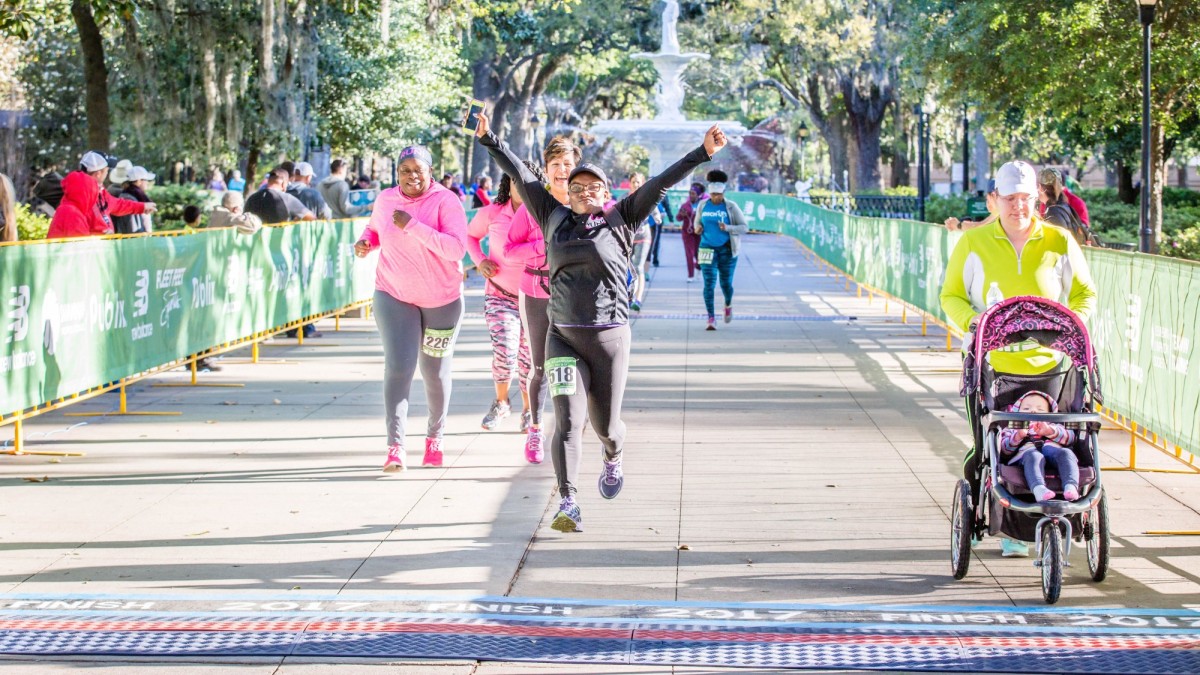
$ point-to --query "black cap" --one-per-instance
(589, 168)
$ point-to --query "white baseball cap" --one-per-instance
(1016, 177)
(139, 173)
(93, 161)
(304, 169)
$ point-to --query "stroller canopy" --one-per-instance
(1030, 317)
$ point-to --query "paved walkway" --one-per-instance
(805, 453)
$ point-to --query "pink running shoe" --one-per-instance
(433, 452)
(728, 314)
(534, 454)
(396, 459)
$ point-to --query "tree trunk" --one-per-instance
(210, 101)
(1125, 192)
(486, 88)
(901, 168)
(251, 168)
(1181, 173)
(95, 75)
(385, 21)
(866, 114)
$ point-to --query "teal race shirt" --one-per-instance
(714, 216)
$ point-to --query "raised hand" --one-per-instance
(484, 124)
(714, 140)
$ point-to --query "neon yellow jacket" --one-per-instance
(1051, 265)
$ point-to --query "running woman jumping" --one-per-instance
(510, 348)
(525, 243)
(588, 249)
(420, 229)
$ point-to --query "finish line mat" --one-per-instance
(912, 638)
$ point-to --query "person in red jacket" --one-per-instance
(87, 210)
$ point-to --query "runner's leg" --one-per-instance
(400, 330)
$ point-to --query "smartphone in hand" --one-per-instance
(469, 121)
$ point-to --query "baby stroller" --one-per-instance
(999, 501)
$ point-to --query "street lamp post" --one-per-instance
(534, 123)
(803, 134)
(1146, 14)
(920, 113)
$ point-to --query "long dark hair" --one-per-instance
(504, 192)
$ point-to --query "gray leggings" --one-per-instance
(587, 369)
(410, 338)
(535, 319)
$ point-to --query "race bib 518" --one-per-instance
(562, 374)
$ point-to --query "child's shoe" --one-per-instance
(1070, 493)
(1043, 493)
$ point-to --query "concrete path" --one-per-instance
(804, 453)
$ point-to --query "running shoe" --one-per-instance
(712, 323)
(433, 452)
(691, 279)
(611, 479)
(728, 314)
(498, 411)
(568, 518)
(1011, 548)
(635, 306)
(396, 459)
(534, 454)
(526, 421)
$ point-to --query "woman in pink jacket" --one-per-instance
(510, 348)
(420, 229)
(526, 246)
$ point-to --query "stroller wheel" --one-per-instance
(1096, 535)
(1051, 559)
(962, 527)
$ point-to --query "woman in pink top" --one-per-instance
(526, 246)
(420, 229)
(510, 348)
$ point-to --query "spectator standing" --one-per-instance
(8, 210)
(1078, 206)
(217, 181)
(335, 189)
(231, 207)
(137, 180)
(86, 209)
(481, 197)
(420, 229)
(118, 176)
(301, 188)
(236, 182)
(364, 183)
(449, 184)
(658, 220)
(1056, 210)
(47, 193)
(274, 205)
(686, 215)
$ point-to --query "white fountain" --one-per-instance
(669, 135)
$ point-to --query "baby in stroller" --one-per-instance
(1042, 442)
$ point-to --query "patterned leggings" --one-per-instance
(510, 348)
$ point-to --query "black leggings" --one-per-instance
(587, 369)
(535, 319)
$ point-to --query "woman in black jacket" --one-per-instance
(587, 350)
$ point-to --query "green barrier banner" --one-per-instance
(1144, 328)
(85, 313)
